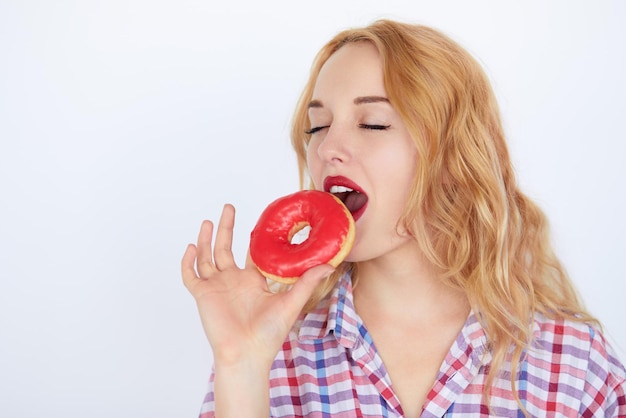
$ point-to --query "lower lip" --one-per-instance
(356, 215)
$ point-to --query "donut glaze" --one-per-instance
(330, 238)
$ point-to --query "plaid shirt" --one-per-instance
(329, 367)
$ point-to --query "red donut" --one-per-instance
(330, 238)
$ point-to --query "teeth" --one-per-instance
(340, 189)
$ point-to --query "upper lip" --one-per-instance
(342, 187)
(340, 181)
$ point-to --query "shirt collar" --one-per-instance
(334, 316)
(337, 316)
(473, 340)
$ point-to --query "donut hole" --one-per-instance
(299, 233)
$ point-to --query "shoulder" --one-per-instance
(566, 337)
(572, 351)
(565, 340)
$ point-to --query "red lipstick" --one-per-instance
(350, 193)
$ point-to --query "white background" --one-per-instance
(124, 123)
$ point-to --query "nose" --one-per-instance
(334, 147)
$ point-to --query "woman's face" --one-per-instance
(360, 148)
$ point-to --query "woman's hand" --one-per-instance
(244, 321)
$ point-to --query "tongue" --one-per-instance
(354, 201)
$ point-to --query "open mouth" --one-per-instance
(346, 191)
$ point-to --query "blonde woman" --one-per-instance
(451, 301)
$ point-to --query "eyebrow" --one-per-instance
(357, 101)
(370, 99)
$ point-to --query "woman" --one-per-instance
(451, 300)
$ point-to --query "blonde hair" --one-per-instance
(465, 208)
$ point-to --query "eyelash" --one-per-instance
(361, 125)
(374, 127)
(315, 129)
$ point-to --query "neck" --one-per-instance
(406, 286)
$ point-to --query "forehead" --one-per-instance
(355, 69)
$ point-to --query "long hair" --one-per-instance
(465, 208)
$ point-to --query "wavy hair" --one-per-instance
(465, 208)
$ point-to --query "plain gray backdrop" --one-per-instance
(125, 123)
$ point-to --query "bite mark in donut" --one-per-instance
(330, 239)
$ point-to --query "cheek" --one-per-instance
(313, 163)
(401, 169)
(400, 164)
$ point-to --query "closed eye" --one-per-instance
(315, 129)
(374, 127)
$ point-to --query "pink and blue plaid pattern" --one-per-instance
(329, 367)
